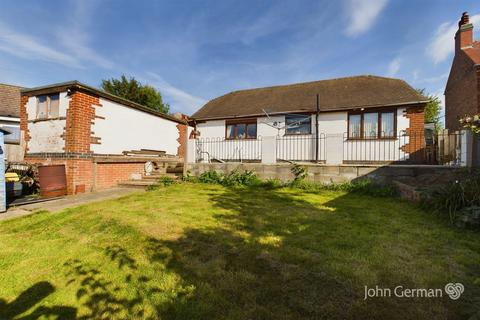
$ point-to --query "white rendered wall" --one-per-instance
(334, 147)
(125, 128)
(47, 135)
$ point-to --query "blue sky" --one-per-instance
(193, 51)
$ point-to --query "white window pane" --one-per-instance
(53, 106)
(230, 131)
(14, 136)
(42, 107)
(370, 125)
(387, 123)
(354, 126)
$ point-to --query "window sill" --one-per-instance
(236, 139)
(372, 139)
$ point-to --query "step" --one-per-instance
(158, 176)
(137, 183)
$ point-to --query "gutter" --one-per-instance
(311, 111)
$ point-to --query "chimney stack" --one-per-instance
(464, 35)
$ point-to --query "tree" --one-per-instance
(134, 91)
(471, 123)
(433, 108)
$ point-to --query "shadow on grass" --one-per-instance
(31, 297)
(271, 255)
(277, 255)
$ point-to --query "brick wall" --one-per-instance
(80, 116)
(182, 136)
(84, 175)
(110, 174)
(416, 145)
(462, 94)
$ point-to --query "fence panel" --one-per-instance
(441, 148)
(301, 148)
(211, 149)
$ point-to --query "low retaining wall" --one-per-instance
(324, 173)
(86, 172)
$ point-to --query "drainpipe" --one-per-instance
(316, 129)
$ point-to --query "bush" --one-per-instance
(234, 178)
(454, 196)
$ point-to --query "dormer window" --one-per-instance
(48, 106)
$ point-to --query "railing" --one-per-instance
(436, 148)
(301, 148)
(221, 149)
(442, 148)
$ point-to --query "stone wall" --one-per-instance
(324, 173)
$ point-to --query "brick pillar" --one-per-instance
(80, 117)
(24, 120)
(416, 131)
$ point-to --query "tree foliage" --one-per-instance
(471, 123)
(134, 91)
(433, 108)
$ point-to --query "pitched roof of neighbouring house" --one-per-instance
(364, 91)
(76, 85)
(9, 100)
(474, 52)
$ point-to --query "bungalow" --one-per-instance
(87, 131)
(355, 119)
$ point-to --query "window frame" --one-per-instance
(245, 122)
(379, 113)
(309, 115)
(47, 102)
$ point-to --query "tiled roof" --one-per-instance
(9, 100)
(335, 95)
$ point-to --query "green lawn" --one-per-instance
(196, 251)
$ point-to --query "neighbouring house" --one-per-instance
(88, 131)
(10, 120)
(359, 119)
(462, 93)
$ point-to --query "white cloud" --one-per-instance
(177, 98)
(442, 45)
(76, 39)
(362, 15)
(394, 67)
(27, 47)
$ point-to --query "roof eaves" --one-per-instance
(309, 111)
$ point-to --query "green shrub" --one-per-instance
(237, 178)
(299, 172)
(452, 197)
(211, 176)
(234, 178)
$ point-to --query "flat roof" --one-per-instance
(76, 85)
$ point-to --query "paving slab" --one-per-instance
(67, 202)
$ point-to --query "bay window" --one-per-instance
(372, 125)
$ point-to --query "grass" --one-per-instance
(196, 251)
